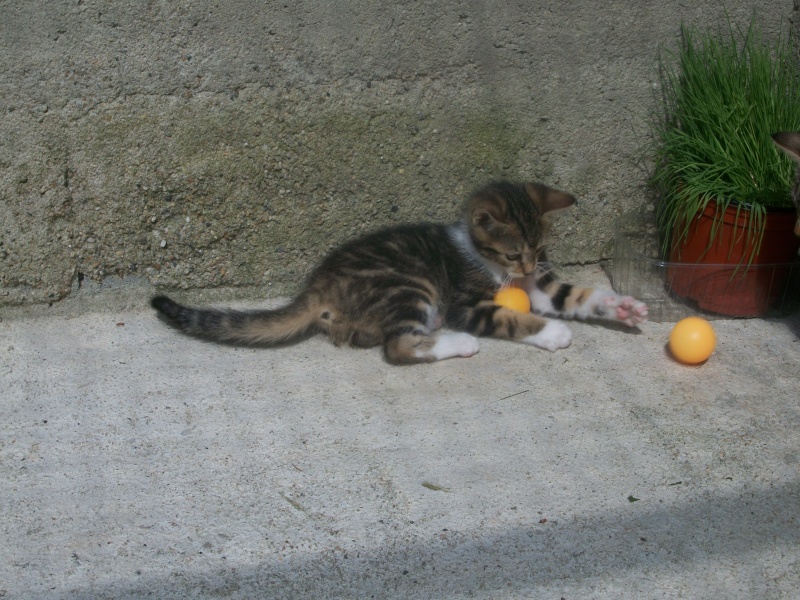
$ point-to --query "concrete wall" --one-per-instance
(211, 144)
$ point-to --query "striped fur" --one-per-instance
(395, 288)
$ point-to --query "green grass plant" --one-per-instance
(723, 94)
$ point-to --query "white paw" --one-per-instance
(624, 309)
(448, 345)
(555, 335)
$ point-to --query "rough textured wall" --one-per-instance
(202, 144)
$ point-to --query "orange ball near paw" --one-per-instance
(513, 298)
(692, 340)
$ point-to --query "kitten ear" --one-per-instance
(789, 142)
(484, 216)
(556, 200)
(547, 199)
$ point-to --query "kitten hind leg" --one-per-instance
(409, 334)
(418, 346)
(450, 345)
(553, 336)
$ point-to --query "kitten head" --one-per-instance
(507, 224)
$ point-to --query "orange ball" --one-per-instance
(692, 340)
(513, 298)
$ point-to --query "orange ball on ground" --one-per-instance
(692, 340)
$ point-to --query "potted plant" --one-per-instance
(724, 188)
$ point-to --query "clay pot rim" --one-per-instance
(749, 206)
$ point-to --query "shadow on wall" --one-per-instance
(659, 540)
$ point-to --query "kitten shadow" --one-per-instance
(614, 326)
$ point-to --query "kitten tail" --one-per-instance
(254, 327)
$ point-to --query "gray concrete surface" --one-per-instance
(201, 144)
(135, 463)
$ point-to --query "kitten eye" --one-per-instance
(512, 257)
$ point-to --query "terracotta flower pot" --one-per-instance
(716, 275)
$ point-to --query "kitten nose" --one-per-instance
(528, 268)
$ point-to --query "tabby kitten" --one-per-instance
(789, 142)
(396, 287)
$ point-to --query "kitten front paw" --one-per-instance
(624, 309)
(553, 336)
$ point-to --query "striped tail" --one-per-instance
(253, 327)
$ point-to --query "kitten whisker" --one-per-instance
(544, 267)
